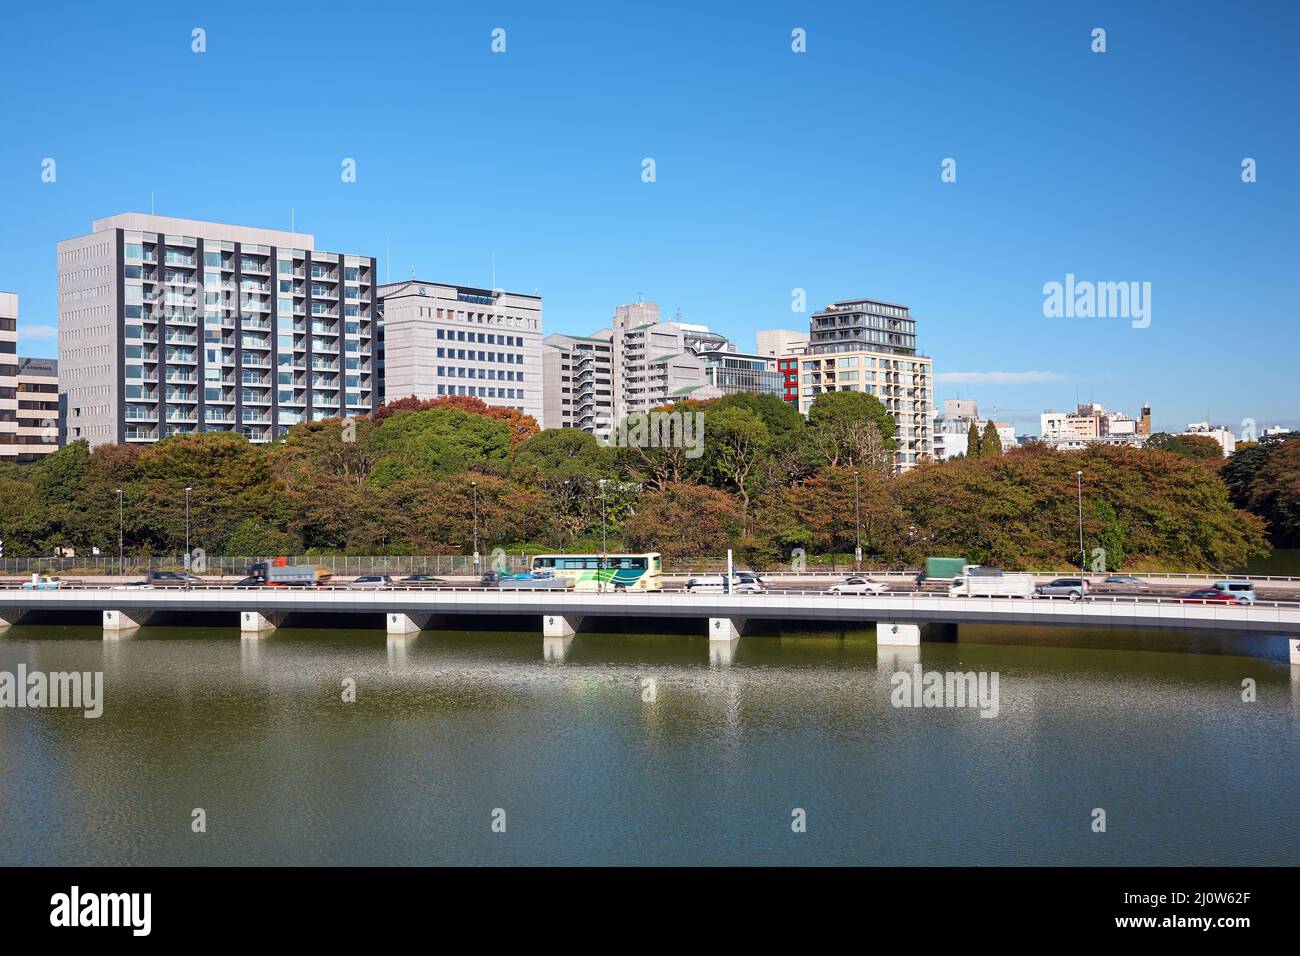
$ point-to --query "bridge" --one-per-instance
(900, 618)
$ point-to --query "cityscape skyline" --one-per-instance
(750, 141)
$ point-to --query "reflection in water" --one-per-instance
(646, 749)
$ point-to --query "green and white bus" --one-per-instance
(594, 572)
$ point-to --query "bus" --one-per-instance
(594, 572)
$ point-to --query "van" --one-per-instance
(1243, 591)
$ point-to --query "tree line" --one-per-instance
(410, 478)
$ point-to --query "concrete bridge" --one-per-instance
(900, 618)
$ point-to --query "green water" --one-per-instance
(449, 727)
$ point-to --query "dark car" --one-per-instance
(252, 581)
(173, 579)
(1125, 581)
(490, 579)
(1211, 596)
(420, 580)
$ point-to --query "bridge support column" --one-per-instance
(910, 634)
(556, 649)
(116, 620)
(726, 628)
(558, 625)
(1294, 644)
(260, 622)
(400, 623)
(11, 615)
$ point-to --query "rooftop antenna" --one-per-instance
(412, 272)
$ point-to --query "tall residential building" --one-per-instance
(440, 339)
(781, 342)
(578, 372)
(39, 420)
(9, 376)
(866, 345)
(176, 326)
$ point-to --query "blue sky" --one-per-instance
(774, 170)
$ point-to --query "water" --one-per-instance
(448, 727)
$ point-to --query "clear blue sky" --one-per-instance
(775, 170)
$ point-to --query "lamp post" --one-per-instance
(1079, 478)
(121, 529)
(474, 485)
(604, 553)
(187, 538)
(857, 520)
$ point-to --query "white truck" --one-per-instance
(978, 581)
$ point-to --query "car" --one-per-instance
(1244, 591)
(490, 579)
(421, 580)
(1073, 588)
(717, 584)
(855, 584)
(42, 582)
(173, 578)
(370, 582)
(252, 581)
(748, 577)
(133, 586)
(1125, 581)
(1212, 596)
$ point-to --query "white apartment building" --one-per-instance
(176, 326)
(440, 340)
(9, 449)
(866, 345)
(1220, 433)
(952, 428)
(578, 372)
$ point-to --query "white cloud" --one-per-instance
(37, 333)
(997, 378)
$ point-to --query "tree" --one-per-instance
(437, 441)
(853, 428)
(990, 443)
(563, 453)
(1272, 491)
(735, 439)
(1201, 447)
(684, 520)
(972, 442)
(820, 514)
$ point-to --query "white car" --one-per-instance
(857, 585)
(371, 582)
(41, 582)
(717, 584)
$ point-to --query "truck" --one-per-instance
(945, 568)
(990, 582)
(291, 575)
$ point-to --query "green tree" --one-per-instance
(685, 520)
(853, 428)
(990, 443)
(972, 442)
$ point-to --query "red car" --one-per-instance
(1211, 596)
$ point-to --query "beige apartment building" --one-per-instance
(9, 449)
(176, 326)
(439, 340)
(866, 345)
(39, 425)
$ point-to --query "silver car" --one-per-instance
(371, 582)
(1073, 588)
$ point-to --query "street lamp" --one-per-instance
(1079, 478)
(604, 553)
(474, 485)
(121, 528)
(857, 519)
(187, 538)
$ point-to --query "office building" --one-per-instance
(730, 371)
(869, 346)
(9, 449)
(776, 343)
(439, 340)
(39, 424)
(177, 326)
(578, 373)
(952, 429)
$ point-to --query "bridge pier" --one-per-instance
(556, 649)
(910, 634)
(116, 620)
(403, 623)
(726, 628)
(560, 625)
(260, 622)
(1294, 644)
(11, 615)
